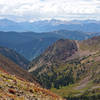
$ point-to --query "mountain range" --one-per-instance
(50, 25)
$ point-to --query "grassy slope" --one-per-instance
(88, 83)
(15, 88)
(18, 84)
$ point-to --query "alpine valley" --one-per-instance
(50, 60)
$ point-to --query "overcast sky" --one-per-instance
(30, 10)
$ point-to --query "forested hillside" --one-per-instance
(70, 68)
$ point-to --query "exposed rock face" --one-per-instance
(56, 54)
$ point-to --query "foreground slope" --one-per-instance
(15, 88)
(17, 84)
(71, 69)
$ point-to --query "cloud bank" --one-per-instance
(30, 10)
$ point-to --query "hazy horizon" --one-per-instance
(33, 10)
(63, 20)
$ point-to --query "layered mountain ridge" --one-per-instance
(31, 45)
(50, 25)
